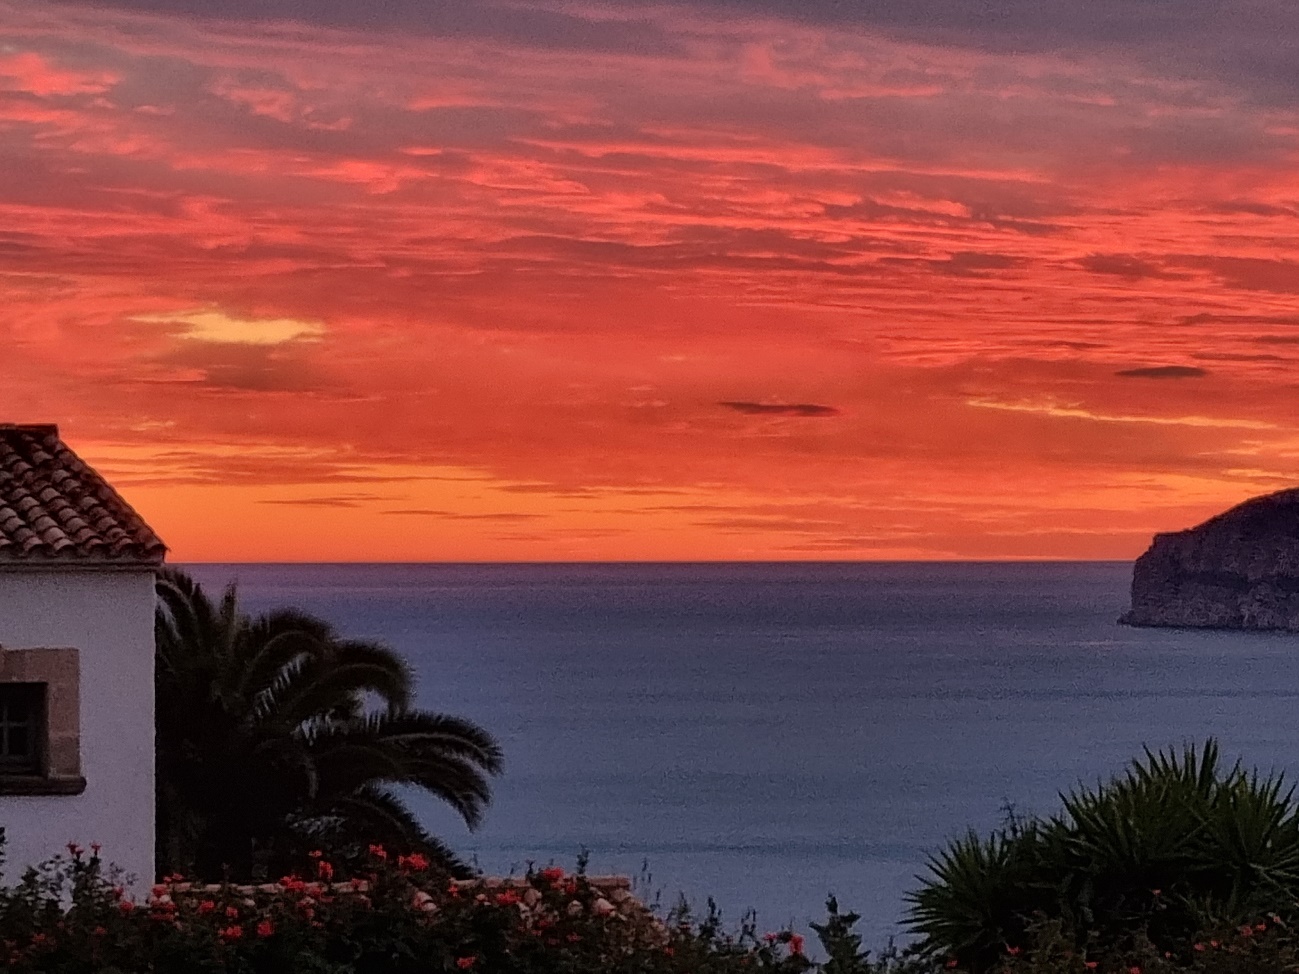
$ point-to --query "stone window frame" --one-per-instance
(59, 670)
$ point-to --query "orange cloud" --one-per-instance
(713, 287)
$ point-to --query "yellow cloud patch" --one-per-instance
(217, 326)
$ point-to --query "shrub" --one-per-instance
(398, 918)
(1175, 845)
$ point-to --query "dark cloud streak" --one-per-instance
(780, 409)
(1163, 372)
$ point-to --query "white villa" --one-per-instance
(77, 571)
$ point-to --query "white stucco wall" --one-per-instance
(108, 617)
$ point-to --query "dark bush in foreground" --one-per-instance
(1142, 865)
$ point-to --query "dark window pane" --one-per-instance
(20, 742)
(21, 727)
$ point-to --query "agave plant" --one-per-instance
(979, 898)
(274, 733)
(1175, 841)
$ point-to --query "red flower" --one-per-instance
(951, 964)
(1090, 965)
(232, 912)
(265, 928)
(232, 932)
(464, 963)
(552, 874)
(99, 931)
(379, 852)
(1013, 951)
(315, 853)
(75, 849)
(795, 943)
(324, 870)
(507, 898)
(95, 847)
(206, 907)
(126, 906)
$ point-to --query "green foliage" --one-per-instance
(1175, 843)
(266, 746)
(844, 954)
(399, 917)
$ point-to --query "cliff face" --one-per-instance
(1239, 570)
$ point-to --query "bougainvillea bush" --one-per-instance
(398, 916)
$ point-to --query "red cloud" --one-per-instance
(537, 270)
(33, 74)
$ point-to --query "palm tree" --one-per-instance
(266, 746)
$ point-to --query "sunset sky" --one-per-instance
(774, 279)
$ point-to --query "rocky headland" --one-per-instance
(1238, 570)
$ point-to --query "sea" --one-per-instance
(768, 735)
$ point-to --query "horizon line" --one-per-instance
(718, 561)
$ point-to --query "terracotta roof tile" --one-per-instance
(55, 508)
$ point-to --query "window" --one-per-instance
(22, 727)
(40, 722)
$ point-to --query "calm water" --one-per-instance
(768, 734)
